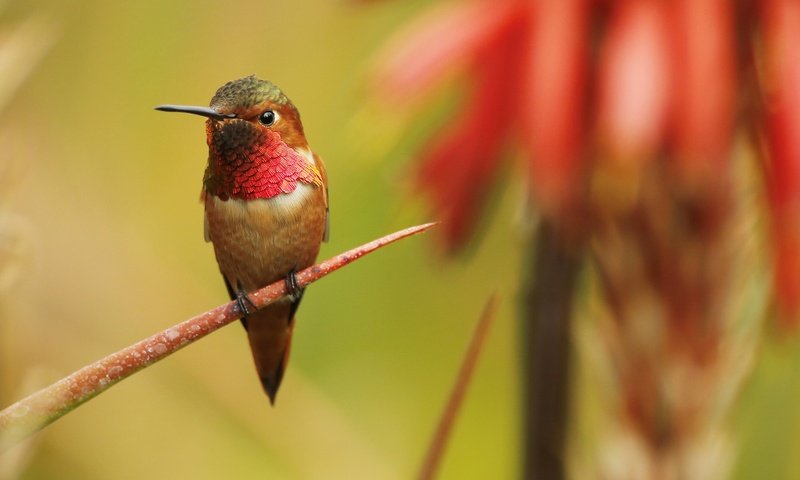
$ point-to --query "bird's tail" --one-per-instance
(270, 333)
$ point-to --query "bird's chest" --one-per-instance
(260, 241)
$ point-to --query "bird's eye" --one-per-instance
(268, 117)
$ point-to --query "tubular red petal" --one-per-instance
(454, 175)
(634, 81)
(553, 103)
(781, 25)
(703, 41)
(446, 39)
(457, 169)
(782, 37)
(787, 265)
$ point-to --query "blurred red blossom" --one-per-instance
(517, 54)
(703, 49)
(634, 83)
(552, 101)
(591, 93)
(781, 84)
(485, 39)
(626, 114)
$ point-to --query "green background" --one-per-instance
(107, 192)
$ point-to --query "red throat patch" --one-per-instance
(266, 167)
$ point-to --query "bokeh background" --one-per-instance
(107, 192)
(102, 230)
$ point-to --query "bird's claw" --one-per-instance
(293, 288)
(242, 300)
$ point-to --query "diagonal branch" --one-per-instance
(41, 408)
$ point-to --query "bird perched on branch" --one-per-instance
(266, 208)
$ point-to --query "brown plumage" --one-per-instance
(258, 242)
(266, 207)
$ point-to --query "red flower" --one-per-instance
(553, 102)
(635, 86)
(489, 40)
(781, 25)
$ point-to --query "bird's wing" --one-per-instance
(324, 174)
(205, 215)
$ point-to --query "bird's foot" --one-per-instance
(293, 288)
(242, 300)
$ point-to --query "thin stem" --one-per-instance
(547, 312)
(440, 439)
(43, 407)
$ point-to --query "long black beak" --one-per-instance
(202, 111)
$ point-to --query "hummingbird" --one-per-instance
(265, 194)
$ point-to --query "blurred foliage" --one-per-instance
(110, 189)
